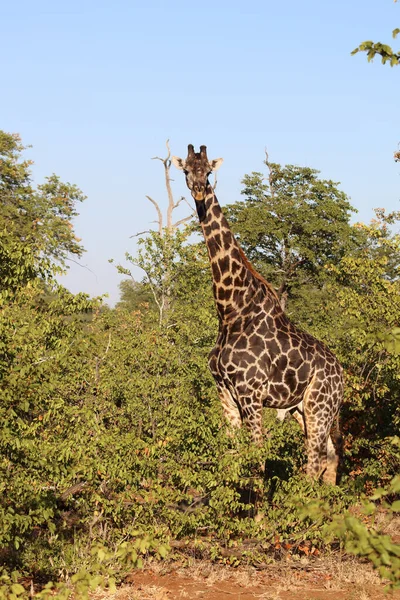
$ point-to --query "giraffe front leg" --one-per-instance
(231, 410)
(252, 418)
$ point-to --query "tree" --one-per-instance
(170, 226)
(360, 322)
(379, 241)
(40, 322)
(291, 225)
(162, 245)
(40, 219)
(112, 426)
(134, 295)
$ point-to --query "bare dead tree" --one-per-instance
(172, 205)
(166, 227)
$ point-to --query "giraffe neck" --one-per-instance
(235, 283)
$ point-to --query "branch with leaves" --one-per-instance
(385, 52)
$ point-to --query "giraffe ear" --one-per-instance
(216, 163)
(179, 163)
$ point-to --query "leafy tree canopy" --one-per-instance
(292, 224)
(134, 295)
(111, 433)
(35, 221)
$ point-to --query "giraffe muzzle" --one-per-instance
(199, 192)
(199, 196)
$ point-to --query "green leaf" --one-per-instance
(101, 554)
(17, 589)
(395, 507)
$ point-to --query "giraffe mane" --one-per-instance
(257, 275)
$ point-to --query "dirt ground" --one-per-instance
(323, 579)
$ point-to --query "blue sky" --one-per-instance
(97, 88)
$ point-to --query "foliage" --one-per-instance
(39, 218)
(134, 295)
(112, 441)
(291, 225)
(177, 278)
(378, 548)
(362, 300)
(104, 570)
(362, 539)
(383, 50)
(35, 392)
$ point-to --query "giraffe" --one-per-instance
(261, 358)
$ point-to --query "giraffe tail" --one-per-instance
(337, 439)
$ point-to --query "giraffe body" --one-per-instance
(261, 358)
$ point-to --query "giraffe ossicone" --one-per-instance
(261, 358)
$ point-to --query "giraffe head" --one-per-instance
(197, 168)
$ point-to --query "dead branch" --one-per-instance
(181, 221)
(266, 161)
(181, 199)
(152, 288)
(140, 233)
(100, 360)
(42, 360)
(164, 160)
(159, 213)
(108, 346)
(189, 205)
(74, 489)
(214, 186)
(185, 219)
(82, 266)
(171, 205)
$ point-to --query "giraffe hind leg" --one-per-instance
(328, 472)
(323, 459)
